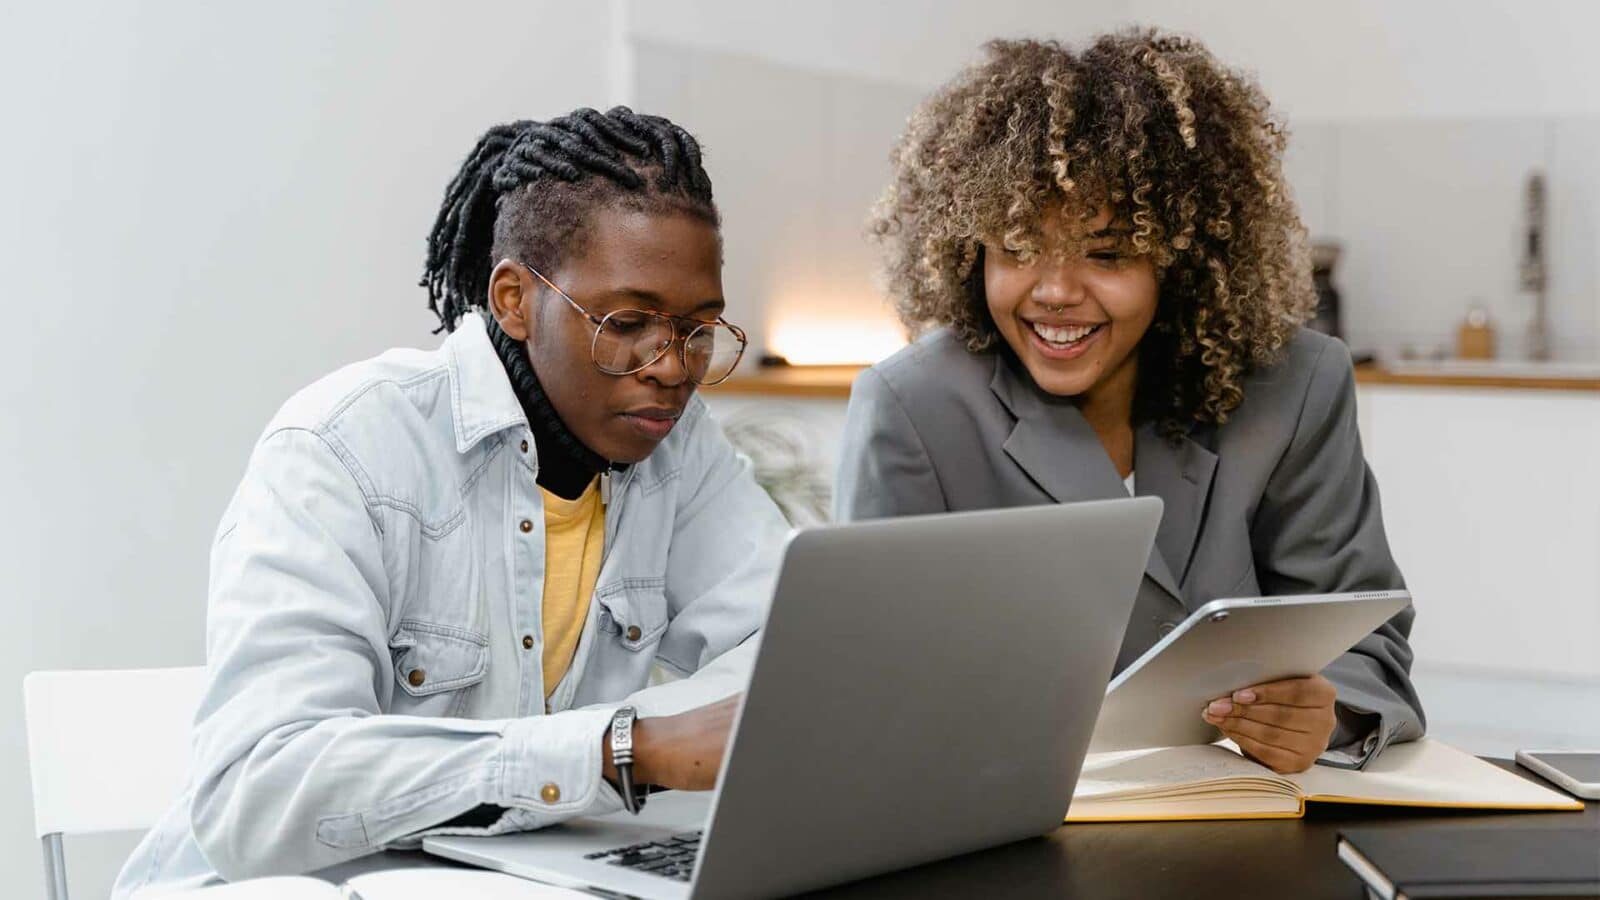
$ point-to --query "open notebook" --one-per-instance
(1213, 781)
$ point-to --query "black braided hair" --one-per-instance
(527, 189)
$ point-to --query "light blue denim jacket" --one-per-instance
(372, 584)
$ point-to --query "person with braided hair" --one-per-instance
(444, 572)
(1112, 279)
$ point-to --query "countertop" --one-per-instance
(824, 382)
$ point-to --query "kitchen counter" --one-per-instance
(1493, 374)
(834, 381)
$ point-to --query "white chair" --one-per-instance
(108, 751)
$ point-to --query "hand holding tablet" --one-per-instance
(1267, 649)
(1284, 725)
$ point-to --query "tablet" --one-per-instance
(1226, 645)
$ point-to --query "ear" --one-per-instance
(511, 299)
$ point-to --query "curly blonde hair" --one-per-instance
(1182, 149)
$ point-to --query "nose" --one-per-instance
(668, 371)
(1060, 283)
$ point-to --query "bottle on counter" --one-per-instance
(1475, 339)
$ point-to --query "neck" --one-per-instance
(566, 464)
(1108, 408)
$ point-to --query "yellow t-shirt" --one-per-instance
(574, 540)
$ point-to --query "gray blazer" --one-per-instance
(1277, 501)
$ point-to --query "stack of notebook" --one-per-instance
(1213, 781)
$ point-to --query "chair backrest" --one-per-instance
(108, 750)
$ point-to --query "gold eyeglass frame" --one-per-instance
(682, 341)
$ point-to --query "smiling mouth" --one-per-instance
(1064, 337)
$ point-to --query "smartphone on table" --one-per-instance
(1575, 771)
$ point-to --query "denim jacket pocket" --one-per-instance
(433, 659)
(633, 612)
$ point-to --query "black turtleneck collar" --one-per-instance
(566, 465)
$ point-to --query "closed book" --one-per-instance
(1443, 861)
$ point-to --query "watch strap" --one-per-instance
(622, 758)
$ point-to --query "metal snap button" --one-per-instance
(550, 793)
(417, 677)
(524, 446)
(634, 632)
(526, 526)
(527, 642)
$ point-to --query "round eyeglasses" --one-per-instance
(628, 340)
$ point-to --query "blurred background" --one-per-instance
(211, 205)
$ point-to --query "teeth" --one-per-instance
(1069, 334)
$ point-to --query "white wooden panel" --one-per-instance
(1492, 503)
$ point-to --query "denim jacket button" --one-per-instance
(527, 642)
(524, 446)
(417, 677)
(550, 793)
(633, 632)
(526, 526)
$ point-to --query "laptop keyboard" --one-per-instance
(671, 858)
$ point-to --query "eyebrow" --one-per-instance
(655, 300)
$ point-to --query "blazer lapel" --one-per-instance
(1053, 443)
(1180, 474)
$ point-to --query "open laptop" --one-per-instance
(925, 687)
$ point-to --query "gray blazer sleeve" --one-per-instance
(1319, 529)
(884, 468)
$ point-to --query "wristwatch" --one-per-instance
(622, 758)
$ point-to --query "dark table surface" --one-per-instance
(1239, 860)
(1291, 859)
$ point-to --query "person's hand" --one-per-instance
(1284, 725)
(682, 752)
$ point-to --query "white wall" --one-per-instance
(1318, 60)
(919, 43)
(209, 206)
(1359, 59)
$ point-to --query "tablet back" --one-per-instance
(1226, 645)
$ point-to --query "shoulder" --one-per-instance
(1313, 371)
(1306, 396)
(369, 389)
(388, 420)
(932, 372)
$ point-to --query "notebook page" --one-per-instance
(1430, 773)
(1174, 771)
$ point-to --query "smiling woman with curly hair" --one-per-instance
(1110, 278)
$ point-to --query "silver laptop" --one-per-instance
(925, 687)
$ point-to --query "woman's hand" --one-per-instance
(1284, 725)
(683, 752)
